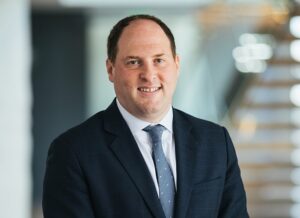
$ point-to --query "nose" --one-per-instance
(148, 72)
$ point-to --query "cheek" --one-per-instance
(170, 80)
(126, 79)
(125, 83)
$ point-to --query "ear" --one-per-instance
(177, 62)
(110, 70)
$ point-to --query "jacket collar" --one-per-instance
(126, 151)
(186, 161)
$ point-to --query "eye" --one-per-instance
(159, 60)
(132, 62)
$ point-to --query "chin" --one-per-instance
(153, 112)
(149, 110)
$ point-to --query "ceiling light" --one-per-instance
(295, 26)
(295, 50)
(295, 95)
(252, 66)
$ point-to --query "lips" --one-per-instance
(149, 89)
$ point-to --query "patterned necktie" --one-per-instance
(163, 171)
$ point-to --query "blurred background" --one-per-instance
(240, 66)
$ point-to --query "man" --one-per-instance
(141, 158)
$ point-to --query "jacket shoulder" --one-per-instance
(81, 137)
(83, 129)
(196, 122)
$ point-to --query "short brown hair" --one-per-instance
(115, 33)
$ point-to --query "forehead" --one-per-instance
(142, 26)
(142, 33)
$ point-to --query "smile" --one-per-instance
(154, 89)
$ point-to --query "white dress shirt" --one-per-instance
(144, 143)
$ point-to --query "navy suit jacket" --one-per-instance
(95, 170)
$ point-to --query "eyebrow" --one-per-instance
(159, 55)
(132, 57)
(137, 57)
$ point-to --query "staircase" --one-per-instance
(266, 132)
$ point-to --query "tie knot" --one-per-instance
(155, 132)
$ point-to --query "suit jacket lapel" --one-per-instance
(185, 159)
(126, 150)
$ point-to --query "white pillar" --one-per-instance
(15, 110)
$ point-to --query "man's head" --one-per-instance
(143, 66)
(115, 33)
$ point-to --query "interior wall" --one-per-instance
(58, 82)
(15, 110)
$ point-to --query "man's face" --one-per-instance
(144, 72)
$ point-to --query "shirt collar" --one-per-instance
(135, 124)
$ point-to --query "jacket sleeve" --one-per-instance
(233, 203)
(65, 192)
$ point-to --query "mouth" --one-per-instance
(149, 89)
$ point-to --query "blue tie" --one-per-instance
(163, 171)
